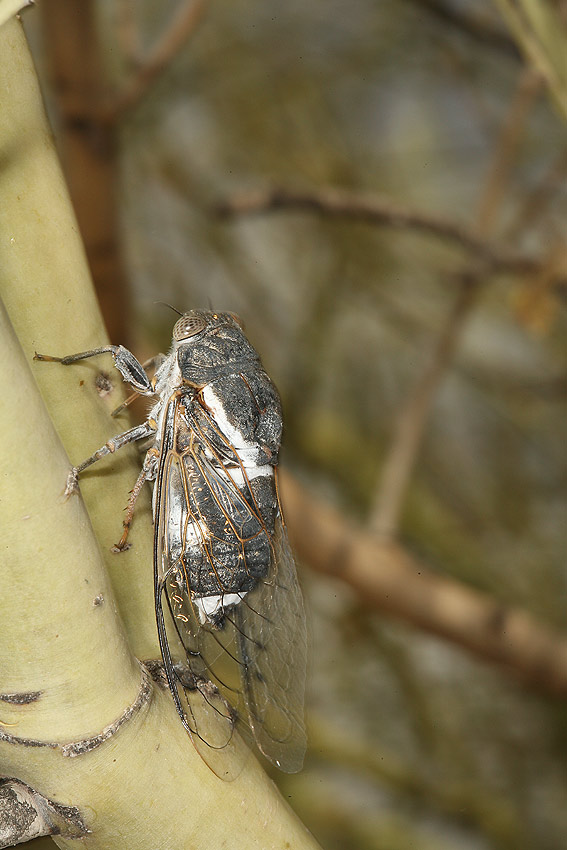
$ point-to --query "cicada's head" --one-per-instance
(194, 322)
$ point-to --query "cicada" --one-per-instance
(229, 610)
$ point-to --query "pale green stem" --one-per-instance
(145, 786)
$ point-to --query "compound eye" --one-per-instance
(188, 326)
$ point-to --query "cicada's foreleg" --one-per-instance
(129, 367)
(130, 436)
(152, 363)
(147, 473)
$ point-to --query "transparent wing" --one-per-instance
(204, 711)
(246, 661)
(270, 623)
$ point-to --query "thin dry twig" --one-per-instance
(400, 459)
(388, 578)
(182, 25)
(381, 211)
(511, 132)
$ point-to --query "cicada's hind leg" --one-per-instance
(138, 433)
(147, 473)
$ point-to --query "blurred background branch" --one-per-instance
(389, 578)
(175, 36)
(382, 212)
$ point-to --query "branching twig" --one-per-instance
(387, 577)
(381, 211)
(175, 36)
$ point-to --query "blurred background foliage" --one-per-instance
(433, 107)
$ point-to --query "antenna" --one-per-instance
(171, 307)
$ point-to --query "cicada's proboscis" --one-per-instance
(229, 609)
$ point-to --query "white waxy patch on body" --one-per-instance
(207, 606)
(251, 472)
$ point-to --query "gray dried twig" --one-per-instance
(381, 211)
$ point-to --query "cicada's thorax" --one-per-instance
(237, 393)
(230, 414)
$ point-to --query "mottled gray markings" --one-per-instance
(21, 699)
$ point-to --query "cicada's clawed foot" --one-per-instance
(46, 357)
(72, 485)
(120, 547)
